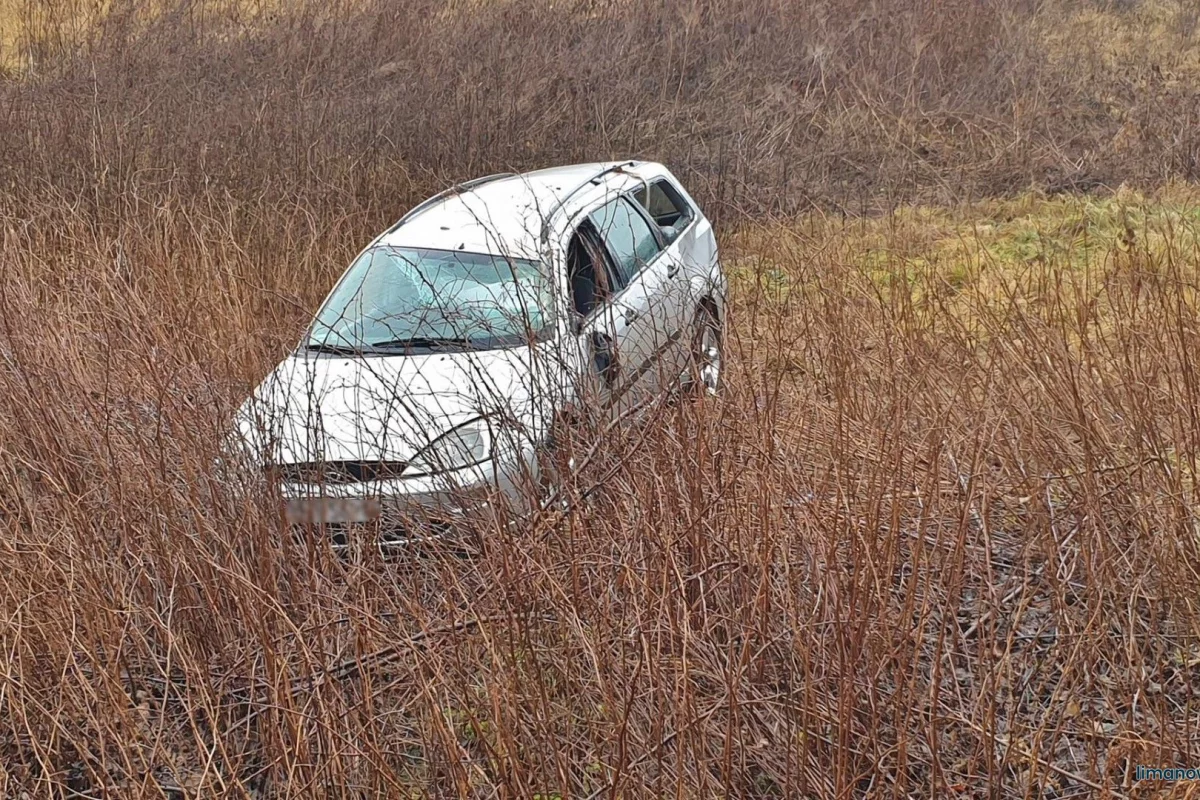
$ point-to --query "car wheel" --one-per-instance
(707, 356)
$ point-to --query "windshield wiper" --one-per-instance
(426, 341)
(332, 349)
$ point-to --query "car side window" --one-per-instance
(591, 272)
(666, 207)
(628, 236)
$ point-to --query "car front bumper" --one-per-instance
(424, 502)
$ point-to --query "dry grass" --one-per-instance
(938, 537)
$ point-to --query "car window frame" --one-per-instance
(572, 227)
(610, 267)
(693, 217)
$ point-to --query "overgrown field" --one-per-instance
(938, 536)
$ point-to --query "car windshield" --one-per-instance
(414, 298)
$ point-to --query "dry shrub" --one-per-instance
(760, 104)
(938, 536)
(933, 538)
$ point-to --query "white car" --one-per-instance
(433, 372)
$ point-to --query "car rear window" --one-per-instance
(666, 207)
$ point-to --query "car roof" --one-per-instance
(504, 215)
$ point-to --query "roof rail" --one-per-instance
(457, 188)
(562, 201)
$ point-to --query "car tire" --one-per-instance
(707, 355)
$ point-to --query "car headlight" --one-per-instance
(463, 446)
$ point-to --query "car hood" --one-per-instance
(380, 407)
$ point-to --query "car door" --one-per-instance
(641, 330)
(678, 226)
(603, 337)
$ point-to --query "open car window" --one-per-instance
(592, 275)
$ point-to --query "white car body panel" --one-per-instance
(381, 408)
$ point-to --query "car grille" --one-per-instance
(343, 535)
(339, 472)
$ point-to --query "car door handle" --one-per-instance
(673, 269)
(630, 315)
